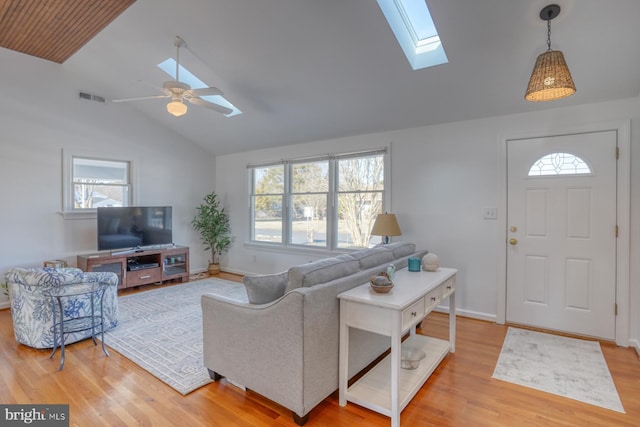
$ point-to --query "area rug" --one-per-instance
(563, 366)
(161, 330)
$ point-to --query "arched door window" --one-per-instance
(559, 164)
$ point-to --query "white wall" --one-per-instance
(41, 114)
(441, 179)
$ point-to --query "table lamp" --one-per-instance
(386, 225)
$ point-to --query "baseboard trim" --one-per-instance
(467, 313)
(635, 344)
(224, 269)
(239, 272)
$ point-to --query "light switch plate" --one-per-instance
(490, 213)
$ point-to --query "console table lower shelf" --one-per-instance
(373, 390)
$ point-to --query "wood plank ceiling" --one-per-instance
(54, 29)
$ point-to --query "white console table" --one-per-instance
(387, 388)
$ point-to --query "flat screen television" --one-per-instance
(133, 227)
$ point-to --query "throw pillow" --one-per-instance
(265, 288)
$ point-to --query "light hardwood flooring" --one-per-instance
(113, 391)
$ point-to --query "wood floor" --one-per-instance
(113, 391)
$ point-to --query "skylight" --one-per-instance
(169, 67)
(413, 26)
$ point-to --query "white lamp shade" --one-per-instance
(386, 225)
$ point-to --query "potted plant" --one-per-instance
(213, 224)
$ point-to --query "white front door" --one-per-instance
(561, 220)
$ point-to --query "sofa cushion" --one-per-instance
(265, 288)
(321, 271)
(372, 257)
(401, 249)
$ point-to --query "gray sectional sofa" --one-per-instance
(283, 343)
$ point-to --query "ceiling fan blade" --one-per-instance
(206, 91)
(210, 105)
(140, 98)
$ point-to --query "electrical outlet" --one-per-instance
(490, 213)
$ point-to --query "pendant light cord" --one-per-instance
(549, 32)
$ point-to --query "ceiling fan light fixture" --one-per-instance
(176, 107)
(179, 92)
(550, 78)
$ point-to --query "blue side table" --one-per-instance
(89, 291)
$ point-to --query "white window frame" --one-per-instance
(332, 244)
(290, 193)
(68, 210)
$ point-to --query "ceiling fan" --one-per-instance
(180, 92)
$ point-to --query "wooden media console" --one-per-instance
(140, 267)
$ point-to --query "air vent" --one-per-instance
(90, 97)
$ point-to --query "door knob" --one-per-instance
(513, 241)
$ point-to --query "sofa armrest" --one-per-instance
(258, 346)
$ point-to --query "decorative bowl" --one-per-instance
(410, 358)
(384, 289)
(380, 283)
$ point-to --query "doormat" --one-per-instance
(559, 365)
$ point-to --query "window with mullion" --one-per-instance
(308, 203)
(360, 199)
(99, 183)
(267, 204)
(321, 203)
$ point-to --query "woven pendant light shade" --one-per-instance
(550, 78)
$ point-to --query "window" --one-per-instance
(309, 201)
(267, 202)
(99, 183)
(323, 203)
(92, 182)
(559, 164)
(360, 197)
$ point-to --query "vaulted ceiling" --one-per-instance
(308, 70)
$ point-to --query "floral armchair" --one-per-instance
(31, 309)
